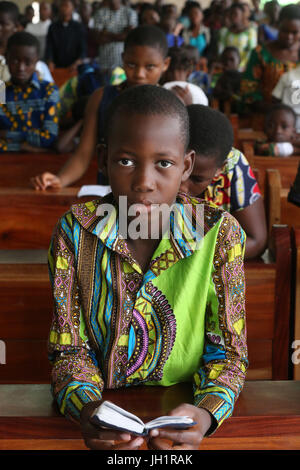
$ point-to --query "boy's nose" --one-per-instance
(143, 180)
(140, 72)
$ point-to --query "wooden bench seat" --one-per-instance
(266, 416)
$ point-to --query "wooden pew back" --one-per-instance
(28, 217)
(18, 168)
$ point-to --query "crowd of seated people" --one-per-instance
(231, 52)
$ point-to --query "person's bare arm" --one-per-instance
(253, 221)
(77, 165)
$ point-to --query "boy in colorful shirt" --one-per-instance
(222, 175)
(28, 119)
(147, 310)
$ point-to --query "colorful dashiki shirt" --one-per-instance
(244, 41)
(262, 73)
(181, 321)
(235, 187)
(29, 115)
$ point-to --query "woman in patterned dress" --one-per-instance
(269, 61)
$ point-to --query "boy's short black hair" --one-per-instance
(211, 133)
(148, 100)
(238, 5)
(22, 38)
(280, 107)
(289, 12)
(11, 9)
(147, 35)
(232, 49)
(180, 58)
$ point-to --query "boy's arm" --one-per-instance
(221, 377)
(76, 378)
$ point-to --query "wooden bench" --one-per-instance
(28, 217)
(266, 416)
(18, 168)
(278, 209)
(26, 313)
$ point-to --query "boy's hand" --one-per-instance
(97, 438)
(182, 439)
(183, 94)
(46, 180)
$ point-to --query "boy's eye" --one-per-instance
(164, 164)
(130, 65)
(125, 162)
(150, 66)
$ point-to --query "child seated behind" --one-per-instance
(280, 129)
(145, 59)
(176, 76)
(226, 85)
(28, 119)
(222, 174)
(168, 24)
(136, 309)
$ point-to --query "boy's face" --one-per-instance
(144, 65)
(230, 60)
(280, 127)
(289, 33)
(195, 16)
(45, 11)
(21, 61)
(236, 16)
(7, 27)
(146, 159)
(204, 170)
(66, 10)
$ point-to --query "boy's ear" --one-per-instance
(102, 158)
(189, 160)
(166, 63)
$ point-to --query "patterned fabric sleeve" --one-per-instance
(251, 80)
(76, 378)
(42, 136)
(220, 380)
(244, 187)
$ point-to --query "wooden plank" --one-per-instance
(18, 168)
(26, 362)
(28, 217)
(266, 416)
(26, 300)
(260, 300)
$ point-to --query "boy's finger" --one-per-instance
(181, 437)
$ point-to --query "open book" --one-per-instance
(111, 416)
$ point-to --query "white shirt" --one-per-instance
(38, 29)
(198, 95)
(287, 90)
